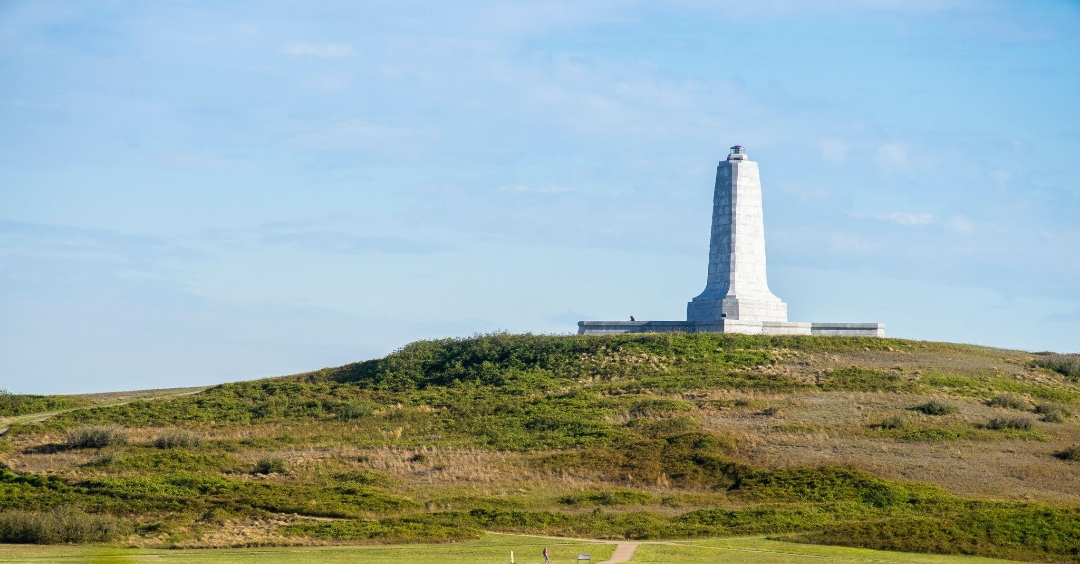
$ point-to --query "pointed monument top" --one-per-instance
(737, 154)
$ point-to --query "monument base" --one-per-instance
(732, 326)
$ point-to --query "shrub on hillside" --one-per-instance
(356, 410)
(60, 525)
(653, 407)
(1052, 413)
(893, 422)
(1008, 401)
(856, 379)
(1064, 364)
(1071, 454)
(935, 407)
(607, 497)
(95, 437)
(1017, 423)
(176, 439)
(271, 465)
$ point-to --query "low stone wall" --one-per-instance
(849, 329)
(732, 326)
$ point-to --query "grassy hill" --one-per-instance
(877, 443)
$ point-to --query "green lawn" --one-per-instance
(492, 548)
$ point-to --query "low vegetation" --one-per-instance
(1053, 413)
(936, 407)
(58, 525)
(1008, 401)
(176, 439)
(1071, 453)
(95, 437)
(1016, 423)
(271, 465)
(12, 405)
(663, 436)
(1065, 364)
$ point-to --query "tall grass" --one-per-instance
(1064, 364)
(1008, 401)
(176, 439)
(59, 525)
(1016, 423)
(95, 437)
(936, 407)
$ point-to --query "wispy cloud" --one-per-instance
(833, 150)
(892, 156)
(343, 243)
(322, 51)
(121, 250)
(308, 235)
(956, 223)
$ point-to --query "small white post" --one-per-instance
(511, 557)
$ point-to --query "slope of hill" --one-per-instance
(881, 443)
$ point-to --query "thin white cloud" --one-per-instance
(323, 51)
(833, 150)
(893, 156)
(957, 223)
(910, 218)
(795, 8)
(960, 224)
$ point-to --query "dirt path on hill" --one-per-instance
(624, 551)
(108, 399)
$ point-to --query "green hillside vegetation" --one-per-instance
(877, 443)
(12, 405)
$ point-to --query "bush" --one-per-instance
(271, 465)
(1017, 423)
(60, 525)
(1008, 401)
(356, 410)
(176, 439)
(935, 407)
(893, 422)
(95, 437)
(657, 407)
(608, 497)
(1064, 364)
(1071, 454)
(1053, 413)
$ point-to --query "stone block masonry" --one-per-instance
(736, 298)
(734, 326)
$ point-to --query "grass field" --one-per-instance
(875, 443)
(490, 548)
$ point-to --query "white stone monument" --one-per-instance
(736, 298)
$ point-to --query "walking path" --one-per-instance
(624, 551)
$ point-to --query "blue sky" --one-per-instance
(196, 192)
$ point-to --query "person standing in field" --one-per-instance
(547, 560)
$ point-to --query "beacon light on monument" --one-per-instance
(736, 298)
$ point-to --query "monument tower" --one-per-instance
(736, 298)
(737, 287)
